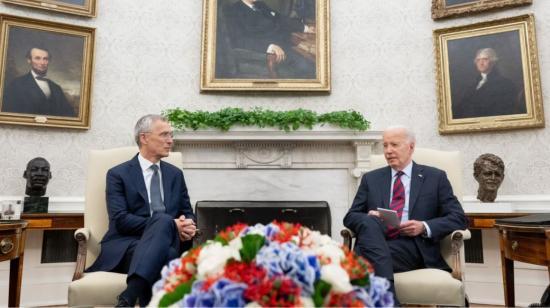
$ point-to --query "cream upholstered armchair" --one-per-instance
(99, 288)
(433, 286)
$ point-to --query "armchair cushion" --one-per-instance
(96, 289)
(417, 287)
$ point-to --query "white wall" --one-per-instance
(147, 59)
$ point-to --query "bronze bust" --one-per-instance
(38, 175)
(489, 172)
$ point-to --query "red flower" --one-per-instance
(286, 231)
(356, 266)
(344, 300)
(231, 232)
(274, 292)
(248, 273)
(184, 272)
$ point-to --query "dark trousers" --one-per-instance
(157, 246)
(387, 256)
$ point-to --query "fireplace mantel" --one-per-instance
(323, 147)
(323, 164)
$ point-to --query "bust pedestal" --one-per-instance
(35, 205)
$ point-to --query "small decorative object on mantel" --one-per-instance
(284, 120)
(489, 172)
(452, 8)
(38, 175)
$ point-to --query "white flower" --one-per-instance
(337, 277)
(213, 257)
(307, 302)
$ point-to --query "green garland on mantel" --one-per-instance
(289, 120)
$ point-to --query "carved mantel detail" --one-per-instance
(252, 148)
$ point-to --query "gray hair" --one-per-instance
(488, 52)
(144, 125)
(409, 134)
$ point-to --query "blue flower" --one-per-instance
(223, 293)
(378, 292)
(287, 259)
(268, 231)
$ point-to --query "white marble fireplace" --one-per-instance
(323, 164)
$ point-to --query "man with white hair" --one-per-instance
(491, 94)
(425, 205)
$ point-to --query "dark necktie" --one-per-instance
(41, 78)
(397, 202)
(156, 199)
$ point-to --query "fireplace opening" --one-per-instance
(214, 216)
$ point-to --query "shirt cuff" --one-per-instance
(427, 232)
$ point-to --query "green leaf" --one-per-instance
(320, 291)
(289, 120)
(362, 282)
(252, 243)
(173, 297)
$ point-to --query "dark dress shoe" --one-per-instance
(123, 302)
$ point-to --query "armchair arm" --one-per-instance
(455, 241)
(348, 236)
(81, 236)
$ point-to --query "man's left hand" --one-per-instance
(411, 228)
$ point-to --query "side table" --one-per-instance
(524, 243)
(12, 247)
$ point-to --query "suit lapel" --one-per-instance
(417, 179)
(137, 175)
(166, 176)
(386, 187)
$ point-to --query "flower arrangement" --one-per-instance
(275, 265)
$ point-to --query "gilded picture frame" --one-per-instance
(45, 73)
(488, 76)
(86, 8)
(237, 55)
(453, 8)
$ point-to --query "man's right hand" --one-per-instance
(280, 54)
(374, 213)
(186, 228)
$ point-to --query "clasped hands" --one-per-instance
(186, 228)
(407, 228)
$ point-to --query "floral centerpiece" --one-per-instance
(279, 264)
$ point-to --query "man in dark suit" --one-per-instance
(253, 25)
(491, 94)
(150, 218)
(35, 94)
(424, 201)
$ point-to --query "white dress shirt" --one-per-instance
(43, 84)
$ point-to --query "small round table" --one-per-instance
(12, 247)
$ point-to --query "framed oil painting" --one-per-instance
(77, 7)
(46, 73)
(265, 45)
(452, 8)
(488, 76)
